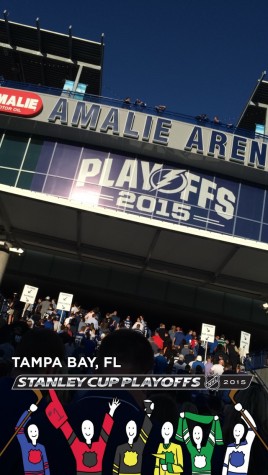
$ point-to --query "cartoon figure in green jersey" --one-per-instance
(200, 455)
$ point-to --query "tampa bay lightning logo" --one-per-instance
(168, 180)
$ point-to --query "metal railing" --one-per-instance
(256, 360)
(119, 103)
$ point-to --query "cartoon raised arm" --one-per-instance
(88, 455)
(238, 453)
(113, 406)
(201, 455)
(33, 454)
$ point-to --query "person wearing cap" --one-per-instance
(198, 362)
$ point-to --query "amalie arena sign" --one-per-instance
(17, 102)
(132, 124)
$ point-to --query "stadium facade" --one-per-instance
(121, 199)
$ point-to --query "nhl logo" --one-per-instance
(212, 383)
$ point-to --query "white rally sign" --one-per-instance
(245, 341)
(28, 294)
(64, 301)
(208, 332)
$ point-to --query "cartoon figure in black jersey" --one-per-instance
(128, 457)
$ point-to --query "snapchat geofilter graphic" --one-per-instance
(128, 457)
(169, 457)
(237, 455)
(88, 455)
(33, 454)
(200, 455)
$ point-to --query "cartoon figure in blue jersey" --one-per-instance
(237, 454)
(33, 454)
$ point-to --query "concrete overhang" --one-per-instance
(38, 222)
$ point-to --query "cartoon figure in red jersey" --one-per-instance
(88, 454)
(33, 454)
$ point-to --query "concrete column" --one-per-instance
(4, 256)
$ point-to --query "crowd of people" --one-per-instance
(82, 330)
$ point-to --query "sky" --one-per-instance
(194, 56)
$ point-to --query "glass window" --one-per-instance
(12, 150)
(8, 177)
(33, 154)
(25, 180)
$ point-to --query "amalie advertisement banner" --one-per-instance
(18, 102)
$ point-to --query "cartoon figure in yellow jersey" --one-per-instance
(128, 457)
(169, 457)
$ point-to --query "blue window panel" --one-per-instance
(8, 177)
(219, 223)
(265, 214)
(38, 182)
(65, 160)
(250, 202)
(247, 229)
(198, 217)
(25, 181)
(57, 187)
(264, 234)
(45, 157)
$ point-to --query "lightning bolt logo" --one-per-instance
(168, 176)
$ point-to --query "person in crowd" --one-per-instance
(185, 350)
(160, 108)
(44, 306)
(167, 345)
(179, 365)
(188, 337)
(218, 368)
(198, 362)
(140, 103)
(194, 341)
(179, 336)
(161, 330)
(157, 340)
(172, 332)
(49, 323)
(138, 323)
(160, 363)
(220, 353)
(202, 118)
(208, 365)
(138, 328)
(233, 354)
(127, 322)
